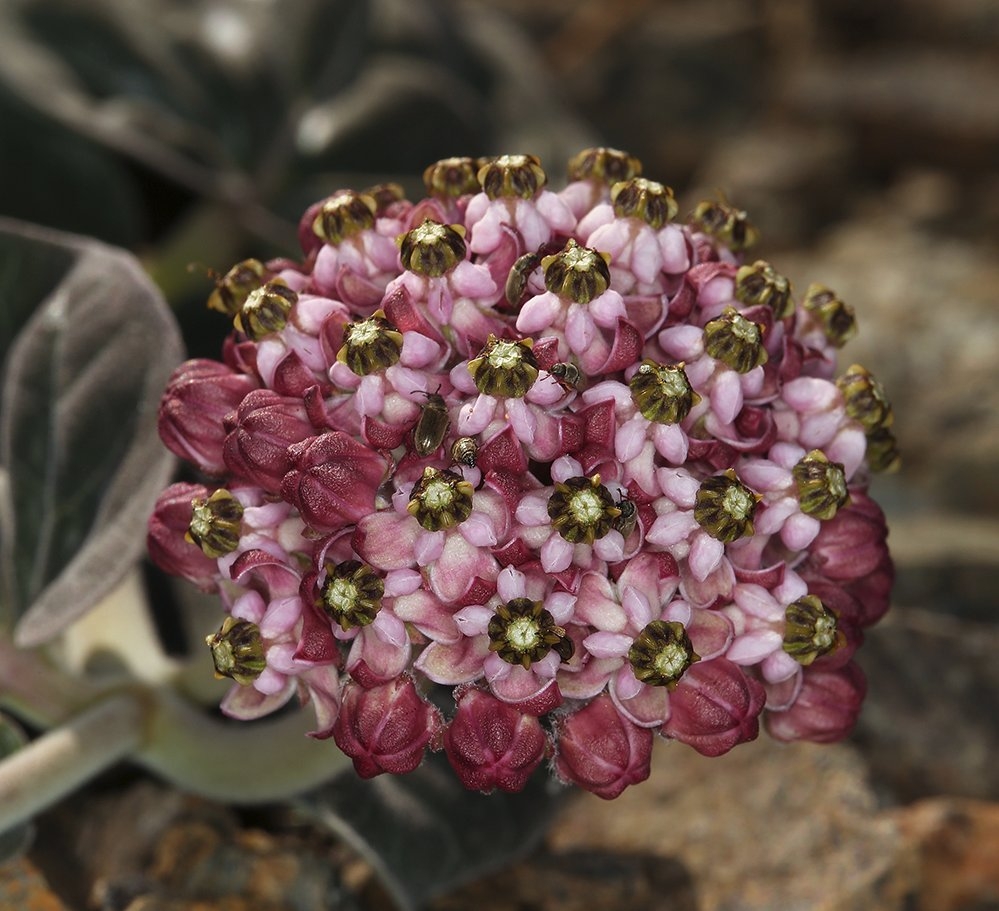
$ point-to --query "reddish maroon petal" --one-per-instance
(626, 348)
(492, 745)
(714, 707)
(600, 751)
(502, 452)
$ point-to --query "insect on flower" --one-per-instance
(568, 375)
(432, 425)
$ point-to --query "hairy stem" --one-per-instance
(59, 761)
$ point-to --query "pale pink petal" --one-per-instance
(428, 547)
(679, 485)
(671, 528)
(809, 394)
(673, 248)
(421, 609)
(472, 280)
(539, 313)
(671, 442)
(705, 555)
(625, 683)
(478, 529)
(607, 308)
(782, 695)
(726, 396)
(248, 703)
(556, 554)
(473, 418)
(457, 567)
(249, 606)
(386, 540)
(763, 475)
(580, 330)
(799, 531)
(384, 660)
(282, 614)
(608, 645)
(648, 708)
(533, 510)
(522, 420)
(685, 343)
(637, 608)
(473, 620)
(402, 582)
(848, 448)
(630, 438)
(753, 647)
(597, 606)
(610, 548)
(779, 666)
(758, 602)
(510, 584)
(454, 663)
(710, 633)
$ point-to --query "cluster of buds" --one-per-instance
(531, 477)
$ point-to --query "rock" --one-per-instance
(957, 843)
(765, 826)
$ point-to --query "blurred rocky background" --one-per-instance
(863, 139)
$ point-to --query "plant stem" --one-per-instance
(62, 759)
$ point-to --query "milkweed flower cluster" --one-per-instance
(531, 476)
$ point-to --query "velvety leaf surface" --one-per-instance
(88, 345)
(424, 833)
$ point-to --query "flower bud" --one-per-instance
(725, 507)
(266, 424)
(344, 215)
(504, 367)
(662, 392)
(333, 481)
(385, 728)
(730, 226)
(577, 273)
(601, 751)
(237, 651)
(714, 707)
(266, 310)
(826, 708)
(490, 744)
(198, 396)
(852, 543)
(167, 540)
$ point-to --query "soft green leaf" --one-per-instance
(425, 834)
(80, 461)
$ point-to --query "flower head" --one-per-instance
(520, 473)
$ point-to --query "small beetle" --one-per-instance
(432, 425)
